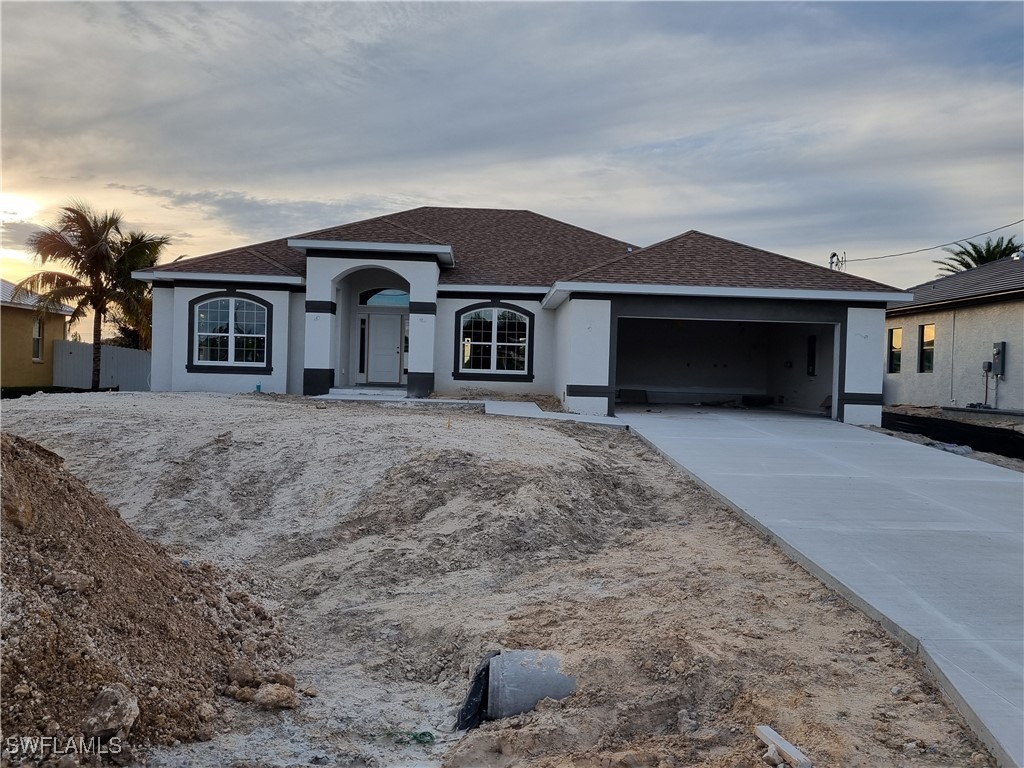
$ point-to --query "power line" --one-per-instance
(954, 242)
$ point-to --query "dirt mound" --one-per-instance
(403, 542)
(88, 603)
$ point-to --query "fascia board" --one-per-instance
(216, 277)
(725, 291)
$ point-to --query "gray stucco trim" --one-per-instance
(422, 308)
(419, 385)
(588, 390)
(323, 253)
(861, 398)
(317, 381)
(484, 295)
(223, 285)
(324, 307)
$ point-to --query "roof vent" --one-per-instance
(629, 249)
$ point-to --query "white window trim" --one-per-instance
(231, 334)
(37, 324)
(494, 343)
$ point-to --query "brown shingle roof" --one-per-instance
(694, 258)
(995, 280)
(491, 246)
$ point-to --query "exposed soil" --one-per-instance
(398, 543)
(87, 603)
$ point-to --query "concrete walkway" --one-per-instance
(523, 409)
(928, 543)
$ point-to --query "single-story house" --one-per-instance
(26, 343)
(448, 299)
(960, 341)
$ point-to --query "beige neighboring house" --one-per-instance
(26, 339)
(960, 341)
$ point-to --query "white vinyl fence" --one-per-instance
(127, 369)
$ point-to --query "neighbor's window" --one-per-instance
(895, 350)
(232, 331)
(37, 338)
(493, 342)
(926, 351)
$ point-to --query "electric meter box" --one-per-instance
(998, 358)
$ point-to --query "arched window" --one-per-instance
(384, 297)
(494, 342)
(229, 333)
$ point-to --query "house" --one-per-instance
(960, 341)
(447, 299)
(26, 340)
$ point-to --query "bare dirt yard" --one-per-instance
(394, 545)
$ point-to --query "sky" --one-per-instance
(800, 128)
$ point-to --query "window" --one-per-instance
(494, 342)
(229, 334)
(384, 297)
(895, 350)
(926, 350)
(37, 339)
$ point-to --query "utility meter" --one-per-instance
(998, 358)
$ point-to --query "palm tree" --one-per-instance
(972, 255)
(100, 258)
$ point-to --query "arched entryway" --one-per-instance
(374, 306)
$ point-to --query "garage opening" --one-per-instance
(727, 362)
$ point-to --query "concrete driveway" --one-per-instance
(929, 543)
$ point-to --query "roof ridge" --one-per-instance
(630, 254)
(431, 238)
(335, 226)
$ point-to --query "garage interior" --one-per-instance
(727, 362)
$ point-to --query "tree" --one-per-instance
(101, 258)
(972, 255)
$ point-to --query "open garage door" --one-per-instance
(788, 365)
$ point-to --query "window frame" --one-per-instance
(38, 324)
(894, 353)
(193, 365)
(922, 348)
(492, 374)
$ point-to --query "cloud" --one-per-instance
(796, 127)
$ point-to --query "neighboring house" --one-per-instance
(960, 340)
(449, 299)
(26, 339)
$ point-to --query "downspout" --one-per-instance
(952, 360)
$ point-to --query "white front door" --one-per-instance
(385, 349)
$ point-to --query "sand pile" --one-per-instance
(89, 604)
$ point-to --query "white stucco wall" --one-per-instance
(582, 332)
(162, 360)
(963, 341)
(296, 341)
(186, 381)
(328, 338)
(865, 336)
(444, 349)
